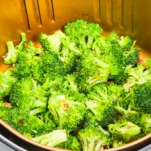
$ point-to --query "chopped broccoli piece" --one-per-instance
(71, 144)
(145, 123)
(124, 130)
(11, 55)
(52, 43)
(67, 113)
(94, 138)
(141, 97)
(82, 33)
(27, 95)
(6, 81)
(53, 138)
(103, 111)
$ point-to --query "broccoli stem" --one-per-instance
(53, 138)
(37, 110)
(23, 36)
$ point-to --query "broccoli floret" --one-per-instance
(137, 75)
(145, 123)
(106, 92)
(132, 56)
(117, 74)
(29, 62)
(124, 130)
(82, 33)
(109, 51)
(94, 138)
(90, 71)
(52, 43)
(104, 111)
(51, 64)
(141, 97)
(11, 56)
(70, 83)
(28, 125)
(125, 43)
(148, 63)
(4, 111)
(101, 45)
(67, 113)
(117, 143)
(53, 138)
(128, 114)
(130, 53)
(6, 81)
(29, 96)
(71, 144)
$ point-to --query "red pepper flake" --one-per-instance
(141, 60)
(66, 105)
(20, 121)
(27, 46)
(89, 75)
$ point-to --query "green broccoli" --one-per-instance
(94, 138)
(6, 81)
(11, 56)
(130, 53)
(90, 71)
(145, 123)
(105, 91)
(141, 97)
(27, 95)
(124, 130)
(128, 114)
(109, 51)
(52, 43)
(28, 62)
(28, 125)
(102, 106)
(82, 33)
(72, 143)
(67, 113)
(136, 75)
(53, 138)
(148, 63)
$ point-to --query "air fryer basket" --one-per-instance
(126, 17)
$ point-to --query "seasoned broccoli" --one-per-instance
(6, 81)
(83, 33)
(79, 90)
(148, 63)
(130, 53)
(67, 113)
(29, 96)
(29, 62)
(94, 138)
(71, 144)
(141, 97)
(53, 138)
(145, 123)
(128, 114)
(28, 125)
(137, 75)
(51, 64)
(106, 91)
(109, 51)
(104, 111)
(11, 56)
(52, 43)
(124, 130)
(90, 71)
